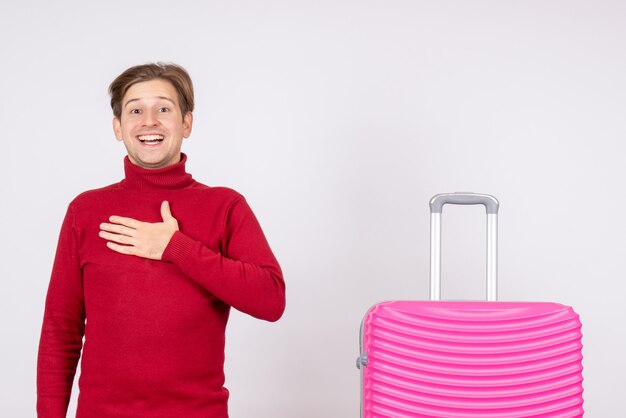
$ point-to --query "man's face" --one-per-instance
(151, 124)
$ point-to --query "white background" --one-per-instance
(338, 120)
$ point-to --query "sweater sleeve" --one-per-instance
(63, 327)
(244, 274)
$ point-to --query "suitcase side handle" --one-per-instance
(491, 206)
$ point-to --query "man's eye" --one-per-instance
(164, 109)
(135, 111)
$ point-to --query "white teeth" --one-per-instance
(150, 137)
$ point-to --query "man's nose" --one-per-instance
(150, 119)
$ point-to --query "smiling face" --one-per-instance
(151, 124)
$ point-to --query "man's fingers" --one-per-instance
(129, 222)
(166, 213)
(141, 239)
(122, 249)
(121, 239)
(118, 229)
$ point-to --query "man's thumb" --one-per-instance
(166, 214)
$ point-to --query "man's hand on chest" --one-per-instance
(142, 239)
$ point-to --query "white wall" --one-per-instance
(338, 120)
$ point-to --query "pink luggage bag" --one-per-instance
(470, 359)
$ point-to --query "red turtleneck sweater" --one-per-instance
(153, 330)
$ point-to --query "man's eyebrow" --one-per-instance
(140, 98)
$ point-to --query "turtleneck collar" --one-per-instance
(171, 177)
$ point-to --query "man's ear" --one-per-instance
(117, 128)
(187, 123)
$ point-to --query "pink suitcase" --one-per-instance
(470, 359)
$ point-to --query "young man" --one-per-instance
(147, 269)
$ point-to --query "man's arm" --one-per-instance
(63, 327)
(245, 275)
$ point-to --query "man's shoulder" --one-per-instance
(94, 195)
(219, 191)
(221, 196)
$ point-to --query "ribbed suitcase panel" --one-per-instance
(472, 359)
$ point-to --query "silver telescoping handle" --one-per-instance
(491, 206)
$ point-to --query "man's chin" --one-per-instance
(153, 163)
